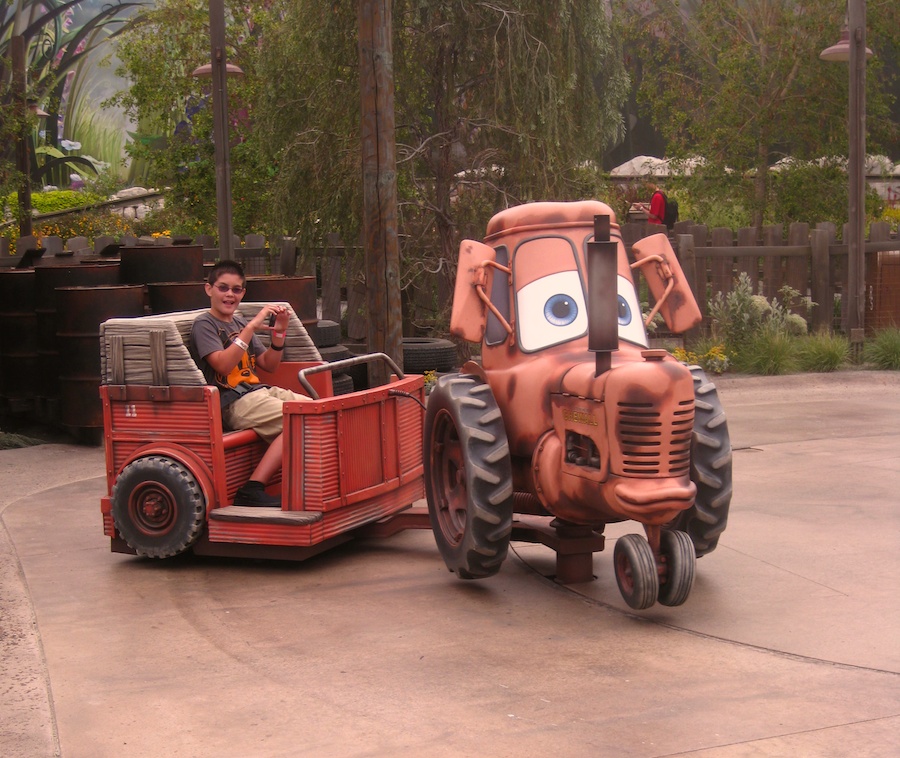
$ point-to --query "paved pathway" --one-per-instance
(789, 643)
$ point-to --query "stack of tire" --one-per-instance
(421, 354)
(326, 336)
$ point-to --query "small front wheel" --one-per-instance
(677, 554)
(636, 572)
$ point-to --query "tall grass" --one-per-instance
(883, 350)
(823, 352)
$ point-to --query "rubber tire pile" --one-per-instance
(326, 336)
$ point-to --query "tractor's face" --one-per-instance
(550, 293)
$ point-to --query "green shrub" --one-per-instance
(823, 352)
(770, 352)
(57, 200)
(883, 350)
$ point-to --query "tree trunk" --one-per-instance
(379, 166)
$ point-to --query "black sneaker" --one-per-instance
(254, 494)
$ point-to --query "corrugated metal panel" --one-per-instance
(410, 418)
(314, 475)
(362, 432)
(339, 521)
(239, 464)
(264, 534)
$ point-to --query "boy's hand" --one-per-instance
(271, 318)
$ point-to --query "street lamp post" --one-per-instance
(852, 48)
(218, 69)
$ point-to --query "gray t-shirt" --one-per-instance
(209, 334)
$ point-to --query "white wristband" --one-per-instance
(280, 335)
(240, 343)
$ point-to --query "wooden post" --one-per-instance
(379, 166)
(220, 128)
(821, 316)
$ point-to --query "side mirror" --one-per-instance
(469, 314)
(667, 283)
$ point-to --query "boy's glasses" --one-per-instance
(223, 288)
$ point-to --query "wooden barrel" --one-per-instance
(176, 263)
(168, 297)
(299, 291)
(46, 283)
(18, 339)
(80, 311)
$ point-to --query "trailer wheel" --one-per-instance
(468, 476)
(158, 507)
(710, 469)
(636, 572)
(677, 549)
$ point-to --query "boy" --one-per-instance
(225, 346)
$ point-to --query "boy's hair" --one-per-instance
(226, 267)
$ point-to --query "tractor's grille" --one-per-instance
(654, 443)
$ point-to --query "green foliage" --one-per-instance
(89, 224)
(61, 200)
(883, 350)
(741, 84)
(706, 353)
(55, 51)
(740, 317)
(769, 353)
(823, 352)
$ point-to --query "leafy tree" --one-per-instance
(173, 109)
(741, 84)
(55, 49)
(496, 103)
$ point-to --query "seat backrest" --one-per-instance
(154, 350)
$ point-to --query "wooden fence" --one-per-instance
(807, 260)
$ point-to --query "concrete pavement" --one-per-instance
(788, 645)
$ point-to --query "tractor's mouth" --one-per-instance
(645, 500)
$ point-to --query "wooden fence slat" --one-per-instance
(773, 274)
(748, 236)
(701, 267)
(820, 291)
(356, 300)
(331, 278)
(797, 269)
(722, 267)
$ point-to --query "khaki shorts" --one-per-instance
(260, 410)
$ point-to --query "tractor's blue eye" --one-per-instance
(624, 312)
(560, 310)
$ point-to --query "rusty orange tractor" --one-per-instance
(568, 414)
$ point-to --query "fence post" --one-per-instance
(820, 265)
(331, 278)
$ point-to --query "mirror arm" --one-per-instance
(479, 289)
(667, 275)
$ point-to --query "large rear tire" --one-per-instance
(158, 507)
(710, 469)
(468, 476)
